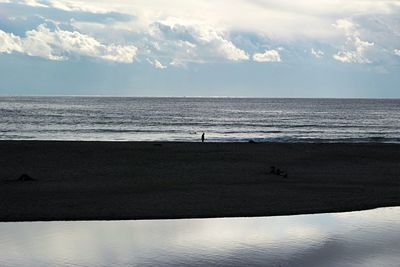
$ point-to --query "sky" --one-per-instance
(253, 48)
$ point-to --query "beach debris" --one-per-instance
(25, 177)
(272, 169)
(277, 171)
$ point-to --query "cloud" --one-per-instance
(229, 50)
(199, 40)
(357, 55)
(397, 52)
(62, 5)
(9, 43)
(74, 6)
(346, 25)
(355, 48)
(267, 56)
(284, 16)
(33, 3)
(317, 53)
(207, 32)
(157, 64)
(61, 45)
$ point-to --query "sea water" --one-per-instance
(185, 119)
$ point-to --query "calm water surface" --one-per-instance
(366, 238)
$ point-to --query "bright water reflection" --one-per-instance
(367, 238)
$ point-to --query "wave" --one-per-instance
(225, 120)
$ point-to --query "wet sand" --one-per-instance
(144, 180)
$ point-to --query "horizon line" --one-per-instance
(238, 97)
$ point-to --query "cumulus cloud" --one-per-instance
(157, 64)
(9, 43)
(356, 55)
(317, 53)
(355, 48)
(397, 52)
(229, 50)
(267, 56)
(205, 32)
(198, 40)
(345, 24)
(60, 45)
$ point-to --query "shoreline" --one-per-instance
(97, 180)
(221, 141)
(84, 219)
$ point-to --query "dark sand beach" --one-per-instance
(145, 180)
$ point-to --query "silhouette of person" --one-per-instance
(202, 138)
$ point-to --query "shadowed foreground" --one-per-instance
(132, 180)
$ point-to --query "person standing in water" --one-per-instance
(202, 138)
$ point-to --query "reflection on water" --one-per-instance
(366, 238)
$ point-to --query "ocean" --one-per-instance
(185, 119)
